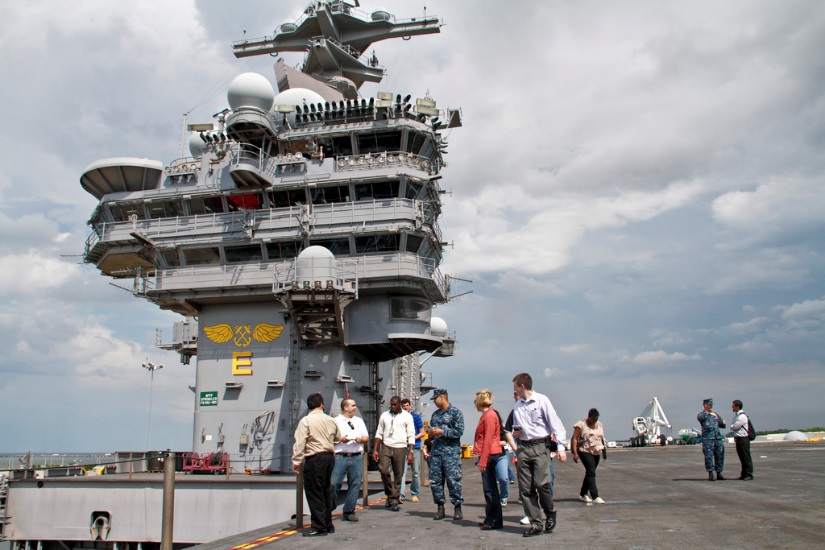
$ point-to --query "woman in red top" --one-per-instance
(487, 447)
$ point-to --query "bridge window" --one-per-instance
(205, 205)
(422, 145)
(336, 146)
(413, 189)
(164, 209)
(282, 251)
(376, 190)
(375, 244)
(247, 201)
(379, 142)
(413, 243)
(323, 195)
(122, 211)
(169, 257)
(284, 199)
(202, 256)
(404, 308)
(247, 253)
(338, 247)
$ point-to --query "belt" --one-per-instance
(322, 453)
(348, 454)
(530, 442)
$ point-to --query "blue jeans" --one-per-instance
(492, 511)
(510, 469)
(502, 476)
(352, 467)
(416, 474)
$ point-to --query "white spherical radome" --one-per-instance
(438, 326)
(315, 251)
(197, 146)
(250, 90)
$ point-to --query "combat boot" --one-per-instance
(457, 513)
(710, 477)
(440, 514)
(720, 477)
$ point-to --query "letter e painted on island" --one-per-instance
(241, 359)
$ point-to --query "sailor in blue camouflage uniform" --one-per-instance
(446, 429)
(713, 442)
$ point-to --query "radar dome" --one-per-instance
(298, 96)
(795, 436)
(438, 327)
(316, 252)
(197, 146)
(315, 267)
(250, 90)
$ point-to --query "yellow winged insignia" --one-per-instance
(267, 333)
(218, 333)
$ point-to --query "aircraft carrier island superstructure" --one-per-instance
(300, 239)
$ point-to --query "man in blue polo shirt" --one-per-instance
(418, 425)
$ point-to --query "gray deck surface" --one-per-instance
(657, 498)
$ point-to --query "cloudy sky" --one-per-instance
(637, 195)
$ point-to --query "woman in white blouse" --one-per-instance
(588, 445)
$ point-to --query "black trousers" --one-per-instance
(590, 463)
(318, 489)
(743, 450)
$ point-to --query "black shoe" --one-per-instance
(457, 512)
(314, 533)
(387, 504)
(740, 478)
(331, 529)
(532, 532)
(550, 523)
(485, 527)
(710, 477)
(440, 514)
(395, 508)
(350, 517)
(720, 477)
(747, 478)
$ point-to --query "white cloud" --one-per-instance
(573, 349)
(660, 357)
(41, 274)
(775, 208)
(807, 310)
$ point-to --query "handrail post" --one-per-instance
(168, 521)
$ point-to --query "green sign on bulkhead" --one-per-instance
(209, 398)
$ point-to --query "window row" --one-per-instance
(272, 198)
(284, 250)
(407, 140)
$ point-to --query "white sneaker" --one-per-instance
(525, 520)
(598, 500)
(503, 502)
(586, 498)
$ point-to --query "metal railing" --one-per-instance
(387, 159)
(211, 228)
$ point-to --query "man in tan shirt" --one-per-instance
(315, 438)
